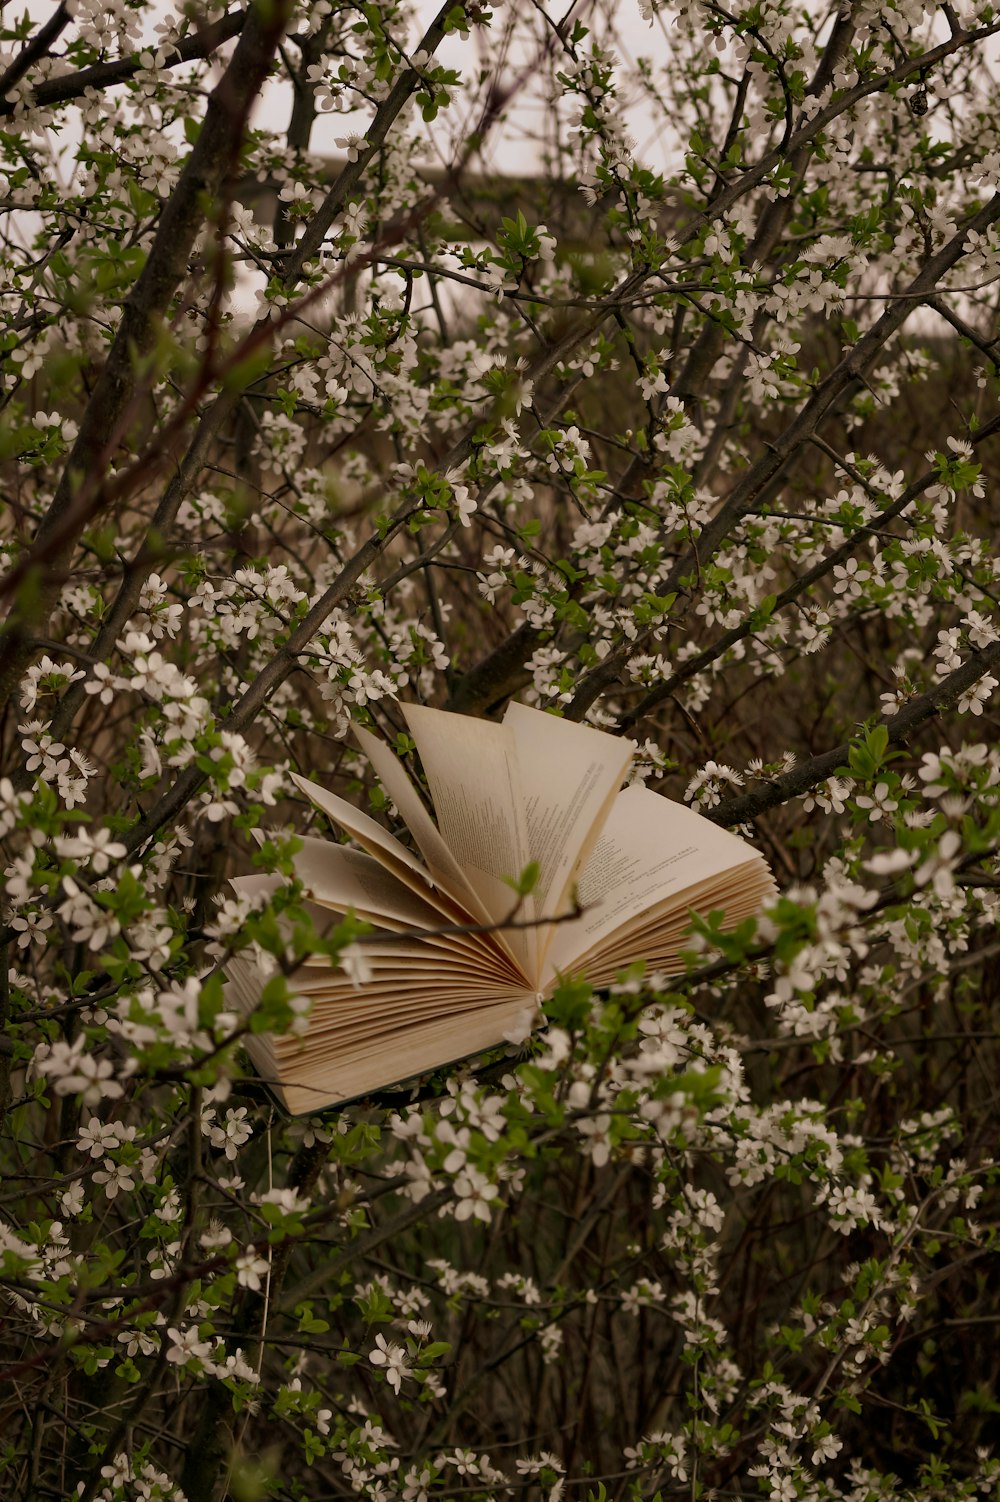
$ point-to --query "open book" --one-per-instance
(445, 977)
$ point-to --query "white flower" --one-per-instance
(827, 1446)
(938, 868)
(232, 1133)
(120, 1472)
(95, 848)
(10, 805)
(981, 629)
(30, 925)
(466, 504)
(595, 1131)
(288, 1200)
(91, 924)
(976, 696)
(185, 1346)
(96, 1138)
(250, 1269)
(71, 1201)
(888, 862)
(525, 1022)
(355, 962)
(879, 803)
(471, 1190)
(73, 1070)
(850, 578)
(352, 146)
(393, 1358)
(115, 1177)
(830, 796)
(62, 675)
(707, 784)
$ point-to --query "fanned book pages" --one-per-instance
(618, 873)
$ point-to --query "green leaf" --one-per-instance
(527, 881)
(435, 1349)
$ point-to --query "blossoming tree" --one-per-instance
(691, 439)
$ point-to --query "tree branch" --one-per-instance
(69, 86)
(212, 159)
(817, 769)
(31, 54)
(856, 363)
(799, 586)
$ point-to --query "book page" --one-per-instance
(340, 878)
(445, 870)
(311, 1081)
(345, 1019)
(650, 849)
(412, 967)
(471, 769)
(397, 942)
(392, 854)
(365, 830)
(661, 936)
(569, 776)
(406, 959)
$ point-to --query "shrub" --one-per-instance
(695, 447)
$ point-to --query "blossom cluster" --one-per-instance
(686, 434)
